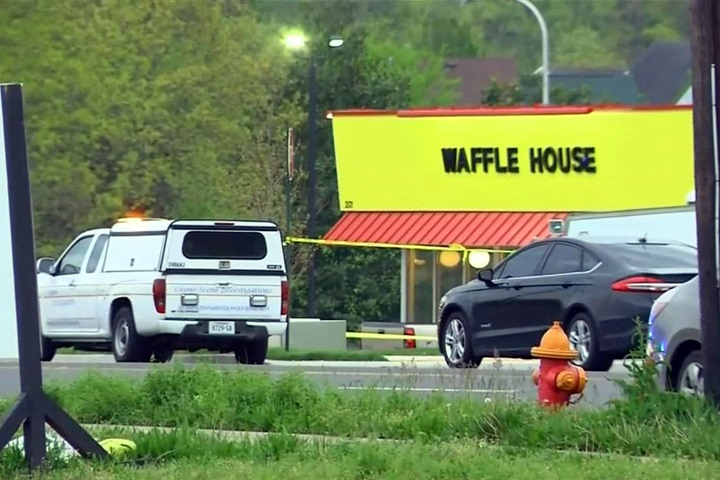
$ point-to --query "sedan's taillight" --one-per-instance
(642, 284)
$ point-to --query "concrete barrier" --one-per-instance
(394, 332)
(313, 334)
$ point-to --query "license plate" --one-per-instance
(221, 328)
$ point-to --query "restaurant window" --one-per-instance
(430, 274)
(420, 279)
(449, 272)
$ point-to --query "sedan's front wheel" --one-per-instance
(456, 343)
(690, 377)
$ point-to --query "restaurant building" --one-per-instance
(495, 179)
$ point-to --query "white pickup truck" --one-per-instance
(146, 287)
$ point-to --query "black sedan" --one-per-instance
(595, 286)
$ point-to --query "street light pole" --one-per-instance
(545, 50)
(296, 41)
(312, 179)
(288, 212)
(545, 47)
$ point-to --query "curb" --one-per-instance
(415, 359)
(237, 435)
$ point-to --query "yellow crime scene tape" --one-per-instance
(388, 336)
(339, 243)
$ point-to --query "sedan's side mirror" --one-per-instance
(486, 275)
(46, 265)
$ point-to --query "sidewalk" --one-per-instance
(232, 435)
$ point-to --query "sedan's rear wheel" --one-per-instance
(456, 344)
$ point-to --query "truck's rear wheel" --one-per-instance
(163, 354)
(252, 352)
(127, 344)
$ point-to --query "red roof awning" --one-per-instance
(469, 229)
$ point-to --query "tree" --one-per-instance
(167, 106)
(528, 91)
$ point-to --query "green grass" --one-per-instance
(205, 397)
(191, 456)
(325, 355)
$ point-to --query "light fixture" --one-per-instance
(449, 258)
(295, 40)
(336, 42)
(479, 259)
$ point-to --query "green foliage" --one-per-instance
(171, 106)
(184, 453)
(528, 91)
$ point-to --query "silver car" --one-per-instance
(674, 339)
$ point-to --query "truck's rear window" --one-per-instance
(224, 245)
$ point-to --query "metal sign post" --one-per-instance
(33, 406)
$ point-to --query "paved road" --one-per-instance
(505, 379)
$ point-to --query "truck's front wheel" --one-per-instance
(252, 352)
(128, 345)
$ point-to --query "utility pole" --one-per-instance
(312, 181)
(705, 34)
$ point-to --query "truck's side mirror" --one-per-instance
(46, 265)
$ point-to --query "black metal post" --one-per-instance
(312, 180)
(33, 407)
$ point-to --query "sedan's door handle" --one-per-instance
(566, 285)
(72, 284)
